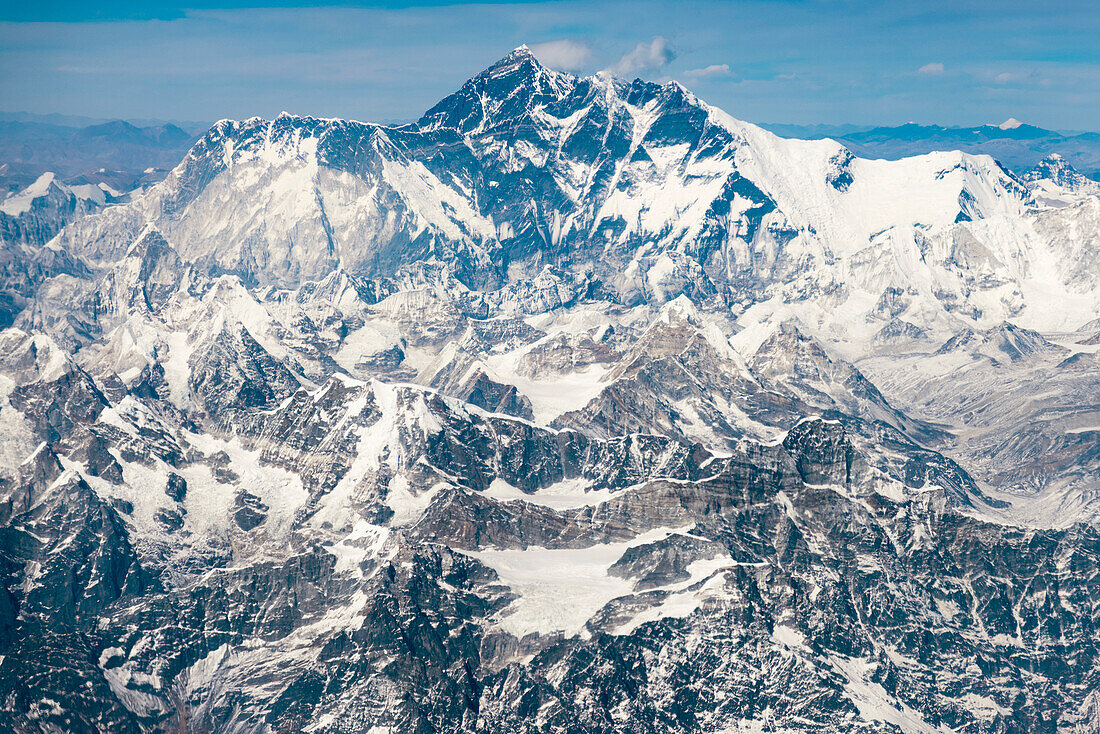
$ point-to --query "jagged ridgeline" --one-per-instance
(575, 406)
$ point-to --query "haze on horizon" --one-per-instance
(792, 61)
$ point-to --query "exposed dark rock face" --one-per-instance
(233, 371)
(483, 392)
(176, 487)
(57, 408)
(250, 511)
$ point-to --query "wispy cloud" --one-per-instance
(564, 54)
(649, 56)
(708, 72)
(931, 69)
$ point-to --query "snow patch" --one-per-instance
(875, 703)
(560, 589)
(567, 494)
(408, 507)
(684, 600)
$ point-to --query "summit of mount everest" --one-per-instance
(576, 405)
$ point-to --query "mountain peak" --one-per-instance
(1058, 170)
(1010, 124)
(512, 86)
(517, 58)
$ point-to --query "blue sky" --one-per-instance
(796, 61)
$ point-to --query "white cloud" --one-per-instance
(931, 69)
(563, 54)
(708, 72)
(645, 57)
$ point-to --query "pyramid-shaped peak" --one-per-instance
(1058, 170)
(519, 57)
(513, 86)
(1055, 161)
(1004, 342)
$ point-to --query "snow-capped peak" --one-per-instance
(21, 201)
(1055, 182)
(1010, 124)
(511, 87)
(48, 186)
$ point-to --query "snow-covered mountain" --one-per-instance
(1019, 146)
(576, 405)
(1055, 182)
(30, 217)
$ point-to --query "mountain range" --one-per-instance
(115, 154)
(1018, 146)
(575, 405)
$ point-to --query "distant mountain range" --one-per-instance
(1018, 146)
(116, 152)
(62, 120)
